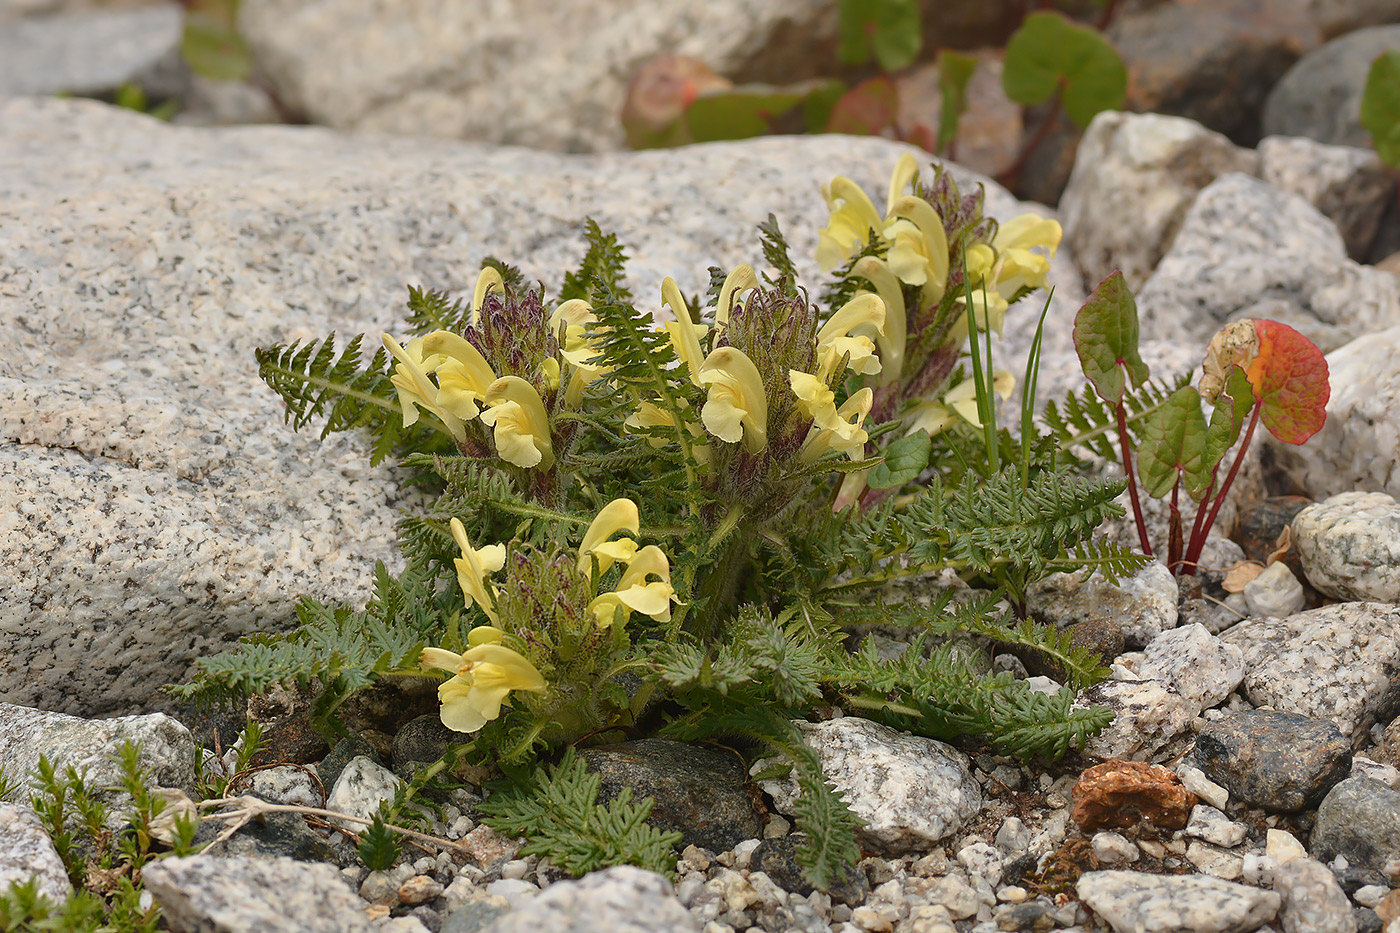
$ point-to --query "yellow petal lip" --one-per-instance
(415, 389)
(485, 635)
(486, 280)
(685, 335)
(463, 376)
(919, 255)
(440, 659)
(741, 279)
(485, 676)
(617, 515)
(848, 437)
(497, 664)
(853, 217)
(835, 338)
(637, 592)
(521, 425)
(472, 568)
(736, 408)
(891, 341)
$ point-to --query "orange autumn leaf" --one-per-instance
(1289, 377)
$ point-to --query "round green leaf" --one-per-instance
(1106, 338)
(1380, 107)
(742, 113)
(1049, 53)
(905, 459)
(1173, 442)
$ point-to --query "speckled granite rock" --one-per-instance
(910, 791)
(1355, 450)
(201, 894)
(26, 853)
(1337, 662)
(1359, 819)
(1151, 720)
(622, 899)
(166, 750)
(1350, 546)
(1275, 593)
(1246, 249)
(1312, 900)
(1193, 662)
(156, 509)
(1134, 902)
(1141, 606)
(92, 52)
(1349, 185)
(1149, 167)
(1281, 762)
(361, 787)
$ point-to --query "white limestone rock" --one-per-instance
(91, 52)
(624, 898)
(910, 791)
(1336, 663)
(1134, 902)
(1151, 720)
(1134, 177)
(1247, 250)
(1350, 546)
(360, 789)
(1356, 448)
(153, 506)
(26, 853)
(1275, 593)
(227, 895)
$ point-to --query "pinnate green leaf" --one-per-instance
(905, 459)
(1289, 377)
(1049, 53)
(1380, 107)
(1106, 339)
(1173, 443)
(890, 28)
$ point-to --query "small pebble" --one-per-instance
(1013, 894)
(777, 828)
(1113, 849)
(1282, 847)
(1370, 895)
(418, 889)
(516, 868)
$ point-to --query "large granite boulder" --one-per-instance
(153, 506)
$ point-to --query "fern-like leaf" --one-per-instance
(1083, 422)
(602, 269)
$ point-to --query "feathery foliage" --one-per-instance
(1084, 422)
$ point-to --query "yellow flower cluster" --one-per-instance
(485, 675)
(917, 251)
(736, 402)
(468, 388)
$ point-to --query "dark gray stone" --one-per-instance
(269, 836)
(473, 916)
(1281, 762)
(777, 858)
(1320, 96)
(421, 742)
(699, 791)
(1360, 820)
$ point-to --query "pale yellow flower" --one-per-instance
(483, 678)
(486, 280)
(891, 340)
(919, 246)
(848, 437)
(1014, 242)
(853, 218)
(736, 282)
(814, 398)
(472, 568)
(958, 402)
(415, 389)
(685, 335)
(463, 373)
(840, 336)
(636, 592)
(617, 515)
(517, 413)
(736, 408)
(905, 169)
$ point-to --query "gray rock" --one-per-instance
(1149, 167)
(26, 852)
(1248, 250)
(360, 789)
(1275, 593)
(420, 743)
(158, 508)
(698, 790)
(1350, 186)
(271, 836)
(1312, 900)
(475, 915)
(286, 784)
(95, 52)
(910, 791)
(1279, 761)
(1199, 666)
(1320, 96)
(1336, 662)
(622, 899)
(1350, 546)
(1359, 819)
(1356, 447)
(165, 750)
(199, 894)
(1339, 17)
(1151, 720)
(1139, 903)
(1141, 606)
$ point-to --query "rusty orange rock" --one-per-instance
(1118, 794)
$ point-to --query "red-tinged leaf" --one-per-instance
(866, 109)
(1289, 377)
(1232, 408)
(1173, 443)
(1106, 339)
